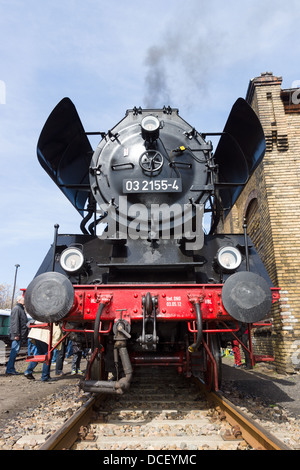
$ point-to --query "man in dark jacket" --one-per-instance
(18, 333)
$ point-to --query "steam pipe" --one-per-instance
(90, 212)
(196, 345)
(113, 386)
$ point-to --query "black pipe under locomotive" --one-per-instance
(143, 284)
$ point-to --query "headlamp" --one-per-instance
(229, 258)
(72, 260)
(150, 128)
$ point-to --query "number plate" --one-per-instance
(139, 185)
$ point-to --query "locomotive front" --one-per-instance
(143, 285)
(151, 176)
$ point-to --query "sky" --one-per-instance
(108, 56)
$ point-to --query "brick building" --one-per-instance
(271, 204)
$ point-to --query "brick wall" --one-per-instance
(262, 342)
(271, 201)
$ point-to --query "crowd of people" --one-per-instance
(23, 330)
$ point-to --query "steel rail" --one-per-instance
(253, 433)
(65, 436)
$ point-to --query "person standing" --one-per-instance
(18, 333)
(236, 353)
(40, 338)
(77, 354)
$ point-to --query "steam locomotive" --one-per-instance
(150, 281)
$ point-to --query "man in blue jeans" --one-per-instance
(18, 332)
(41, 337)
(41, 349)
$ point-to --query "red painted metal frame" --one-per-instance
(46, 357)
(174, 303)
(213, 364)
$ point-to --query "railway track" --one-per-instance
(161, 412)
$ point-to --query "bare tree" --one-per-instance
(5, 296)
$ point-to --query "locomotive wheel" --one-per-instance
(97, 369)
(213, 344)
(96, 362)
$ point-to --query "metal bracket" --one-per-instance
(149, 341)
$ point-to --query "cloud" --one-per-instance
(213, 46)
